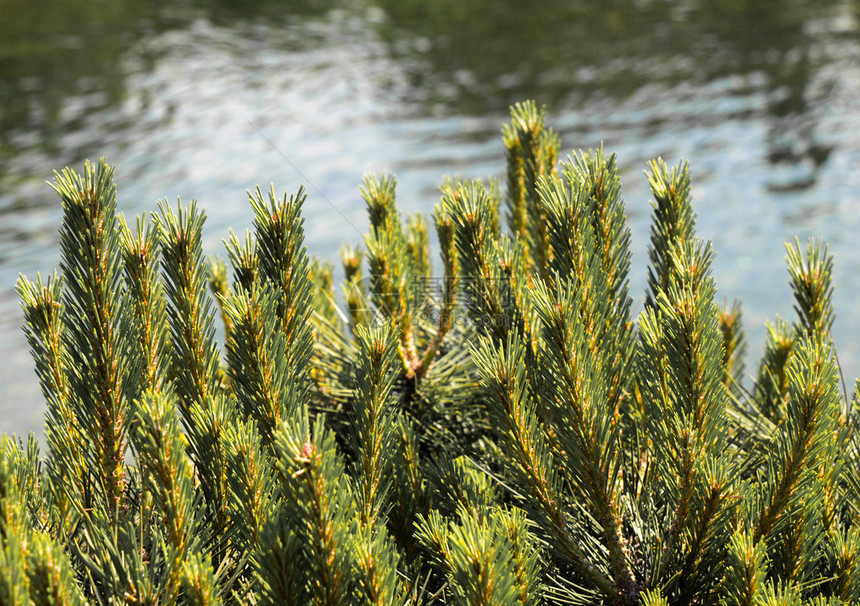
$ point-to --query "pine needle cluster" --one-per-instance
(505, 433)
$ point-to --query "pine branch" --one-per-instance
(844, 553)
(459, 487)
(525, 556)
(282, 581)
(321, 275)
(409, 496)
(811, 282)
(780, 594)
(44, 326)
(168, 475)
(596, 175)
(377, 559)
(653, 597)
(771, 389)
(674, 222)
(475, 554)
(140, 253)
(450, 285)
(682, 374)
(253, 489)
(243, 258)
(265, 384)
(372, 421)
(531, 152)
(734, 347)
(417, 246)
(492, 301)
(319, 507)
(393, 272)
(98, 334)
(204, 411)
(812, 410)
(373, 441)
(354, 288)
(35, 567)
(384, 244)
(198, 583)
(581, 419)
(51, 575)
(195, 356)
(575, 211)
(279, 231)
(746, 571)
(216, 274)
(527, 450)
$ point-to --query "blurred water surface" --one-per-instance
(206, 100)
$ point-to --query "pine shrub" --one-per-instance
(502, 432)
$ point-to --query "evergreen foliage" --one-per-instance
(505, 433)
